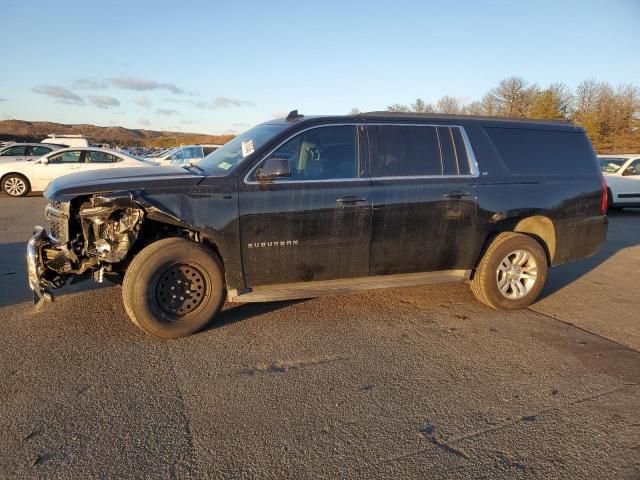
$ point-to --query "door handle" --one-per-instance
(350, 199)
(457, 195)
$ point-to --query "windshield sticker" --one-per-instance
(247, 147)
(225, 165)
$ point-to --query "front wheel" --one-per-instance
(512, 272)
(15, 185)
(173, 288)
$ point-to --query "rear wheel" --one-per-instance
(512, 272)
(173, 288)
(16, 185)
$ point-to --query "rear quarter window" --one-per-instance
(544, 152)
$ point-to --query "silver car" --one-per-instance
(26, 151)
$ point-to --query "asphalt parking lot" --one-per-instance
(411, 383)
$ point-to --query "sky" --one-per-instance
(221, 67)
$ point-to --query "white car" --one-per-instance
(25, 151)
(622, 173)
(19, 178)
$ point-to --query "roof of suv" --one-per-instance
(411, 117)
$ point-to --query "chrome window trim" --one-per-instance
(323, 180)
(471, 157)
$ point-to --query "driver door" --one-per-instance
(316, 223)
(59, 164)
(629, 184)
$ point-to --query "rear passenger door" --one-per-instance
(629, 184)
(37, 151)
(13, 153)
(424, 201)
(98, 160)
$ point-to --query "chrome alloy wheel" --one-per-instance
(15, 186)
(517, 274)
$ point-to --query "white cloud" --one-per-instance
(166, 111)
(223, 102)
(143, 84)
(103, 101)
(144, 102)
(61, 94)
(89, 84)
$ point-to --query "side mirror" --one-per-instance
(273, 168)
(44, 161)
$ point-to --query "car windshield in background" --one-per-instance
(131, 155)
(611, 165)
(231, 154)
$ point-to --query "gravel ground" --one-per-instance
(407, 383)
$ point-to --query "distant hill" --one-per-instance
(23, 131)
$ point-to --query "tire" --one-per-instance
(16, 185)
(491, 272)
(154, 294)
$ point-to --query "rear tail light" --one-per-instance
(603, 198)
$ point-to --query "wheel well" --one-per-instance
(212, 245)
(154, 231)
(538, 227)
(17, 174)
(542, 229)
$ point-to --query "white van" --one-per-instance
(67, 140)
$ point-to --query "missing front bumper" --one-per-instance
(35, 270)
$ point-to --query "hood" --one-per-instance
(116, 179)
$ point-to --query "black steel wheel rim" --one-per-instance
(181, 290)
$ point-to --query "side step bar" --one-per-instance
(291, 291)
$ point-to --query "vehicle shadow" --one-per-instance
(30, 194)
(624, 232)
(238, 312)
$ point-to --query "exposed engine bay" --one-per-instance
(91, 235)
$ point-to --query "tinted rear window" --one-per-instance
(407, 151)
(544, 152)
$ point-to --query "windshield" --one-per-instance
(611, 165)
(231, 154)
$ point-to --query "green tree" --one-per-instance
(546, 105)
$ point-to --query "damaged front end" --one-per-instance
(87, 236)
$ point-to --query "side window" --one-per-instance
(71, 156)
(405, 151)
(98, 157)
(177, 156)
(37, 151)
(113, 158)
(14, 151)
(529, 151)
(322, 153)
(461, 152)
(448, 151)
(192, 153)
(633, 169)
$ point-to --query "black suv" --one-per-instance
(306, 206)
